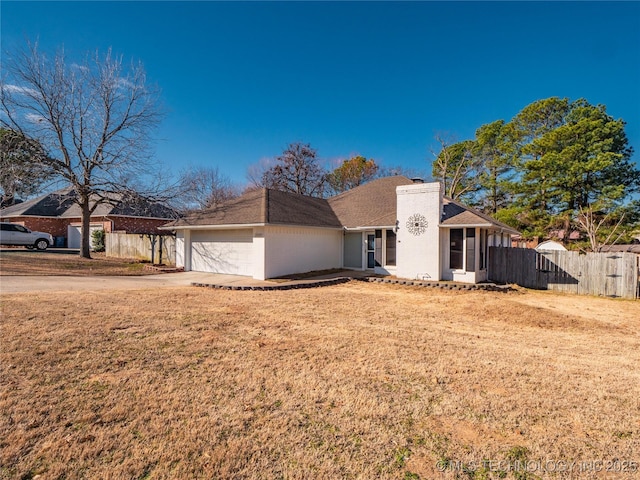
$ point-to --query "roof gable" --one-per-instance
(266, 206)
(246, 209)
(51, 205)
(455, 213)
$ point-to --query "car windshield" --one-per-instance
(20, 228)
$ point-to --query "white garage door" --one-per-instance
(222, 251)
(74, 235)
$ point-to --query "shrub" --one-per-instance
(97, 240)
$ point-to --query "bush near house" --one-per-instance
(97, 240)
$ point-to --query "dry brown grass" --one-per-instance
(352, 381)
(24, 262)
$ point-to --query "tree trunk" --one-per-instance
(85, 244)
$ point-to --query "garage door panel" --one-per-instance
(231, 236)
(229, 252)
(74, 235)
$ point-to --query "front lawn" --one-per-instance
(353, 381)
(15, 261)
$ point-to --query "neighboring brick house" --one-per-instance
(57, 213)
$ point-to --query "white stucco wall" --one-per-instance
(180, 248)
(445, 273)
(301, 249)
(353, 250)
(418, 256)
(259, 260)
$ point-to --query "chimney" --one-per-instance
(417, 180)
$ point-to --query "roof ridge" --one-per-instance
(387, 178)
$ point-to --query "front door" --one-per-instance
(371, 250)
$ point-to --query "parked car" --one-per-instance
(12, 234)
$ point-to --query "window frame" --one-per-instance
(459, 250)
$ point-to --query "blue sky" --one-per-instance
(242, 80)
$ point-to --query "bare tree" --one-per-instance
(204, 187)
(455, 167)
(297, 170)
(21, 171)
(600, 228)
(95, 118)
(257, 171)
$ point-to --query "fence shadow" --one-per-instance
(607, 274)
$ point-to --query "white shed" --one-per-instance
(548, 245)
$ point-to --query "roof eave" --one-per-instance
(245, 225)
(371, 227)
(481, 225)
(211, 227)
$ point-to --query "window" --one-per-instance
(11, 227)
(471, 250)
(455, 248)
(391, 248)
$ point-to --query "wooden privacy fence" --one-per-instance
(611, 274)
(135, 245)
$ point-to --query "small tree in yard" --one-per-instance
(94, 118)
(98, 238)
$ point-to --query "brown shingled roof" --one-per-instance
(266, 206)
(373, 204)
(455, 213)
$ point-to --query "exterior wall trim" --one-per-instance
(236, 226)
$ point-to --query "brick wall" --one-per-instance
(53, 225)
(58, 226)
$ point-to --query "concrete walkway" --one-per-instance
(56, 283)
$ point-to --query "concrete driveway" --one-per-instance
(54, 283)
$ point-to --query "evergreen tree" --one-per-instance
(495, 154)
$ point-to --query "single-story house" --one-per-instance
(57, 213)
(390, 226)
